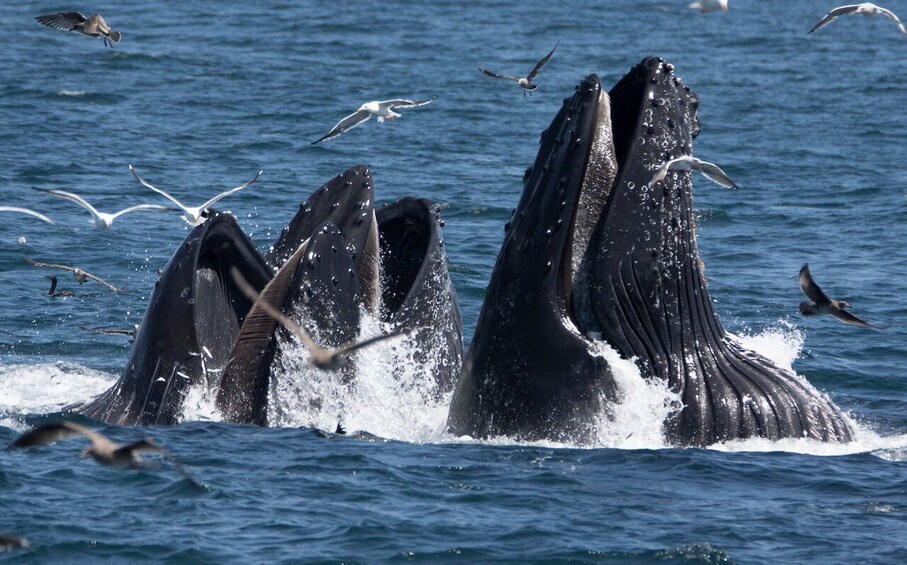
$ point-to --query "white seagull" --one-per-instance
(710, 171)
(383, 110)
(866, 8)
(32, 213)
(525, 82)
(95, 26)
(101, 449)
(193, 216)
(706, 6)
(101, 219)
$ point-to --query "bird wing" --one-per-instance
(810, 288)
(496, 75)
(140, 207)
(145, 444)
(849, 318)
(64, 20)
(103, 282)
(538, 66)
(351, 347)
(834, 14)
(660, 174)
(713, 172)
(159, 191)
(346, 124)
(73, 198)
(48, 265)
(258, 304)
(404, 103)
(50, 433)
(891, 15)
(109, 331)
(40, 216)
(97, 24)
(229, 192)
(149, 444)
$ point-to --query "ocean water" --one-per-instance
(200, 95)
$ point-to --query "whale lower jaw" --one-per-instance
(595, 248)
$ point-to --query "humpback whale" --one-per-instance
(337, 260)
(597, 252)
(189, 327)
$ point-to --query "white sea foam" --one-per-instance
(393, 395)
(72, 93)
(46, 387)
(780, 345)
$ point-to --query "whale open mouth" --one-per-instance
(623, 142)
(598, 251)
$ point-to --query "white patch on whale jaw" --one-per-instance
(598, 179)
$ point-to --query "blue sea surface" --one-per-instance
(200, 95)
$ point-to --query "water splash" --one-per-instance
(392, 396)
(44, 388)
(781, 345)
(636, 420)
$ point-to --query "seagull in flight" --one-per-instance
(102, 450)
(321, 357)
(197, 215)
(31, 213)
(95, 26)
(710, 171)
(822, 304)
(101, 219)
(525, 82)
(866, 8)
(79, 274)
(383, 110)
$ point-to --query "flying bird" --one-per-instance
(822, 304)
(95, 26)
(383, 110)
(101, 219)
(710, 171)
(866, 8)
(31, 213)
(113, 331)
(321, 357)
(79, 274)
(193, 216)
(525, 82)
(101, 449)
(706, 6)
(53, 288)
(129, 332)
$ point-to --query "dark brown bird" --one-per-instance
(101, 449)
(53, 288)
(822, 304)
(95, 26)
(9, 543)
